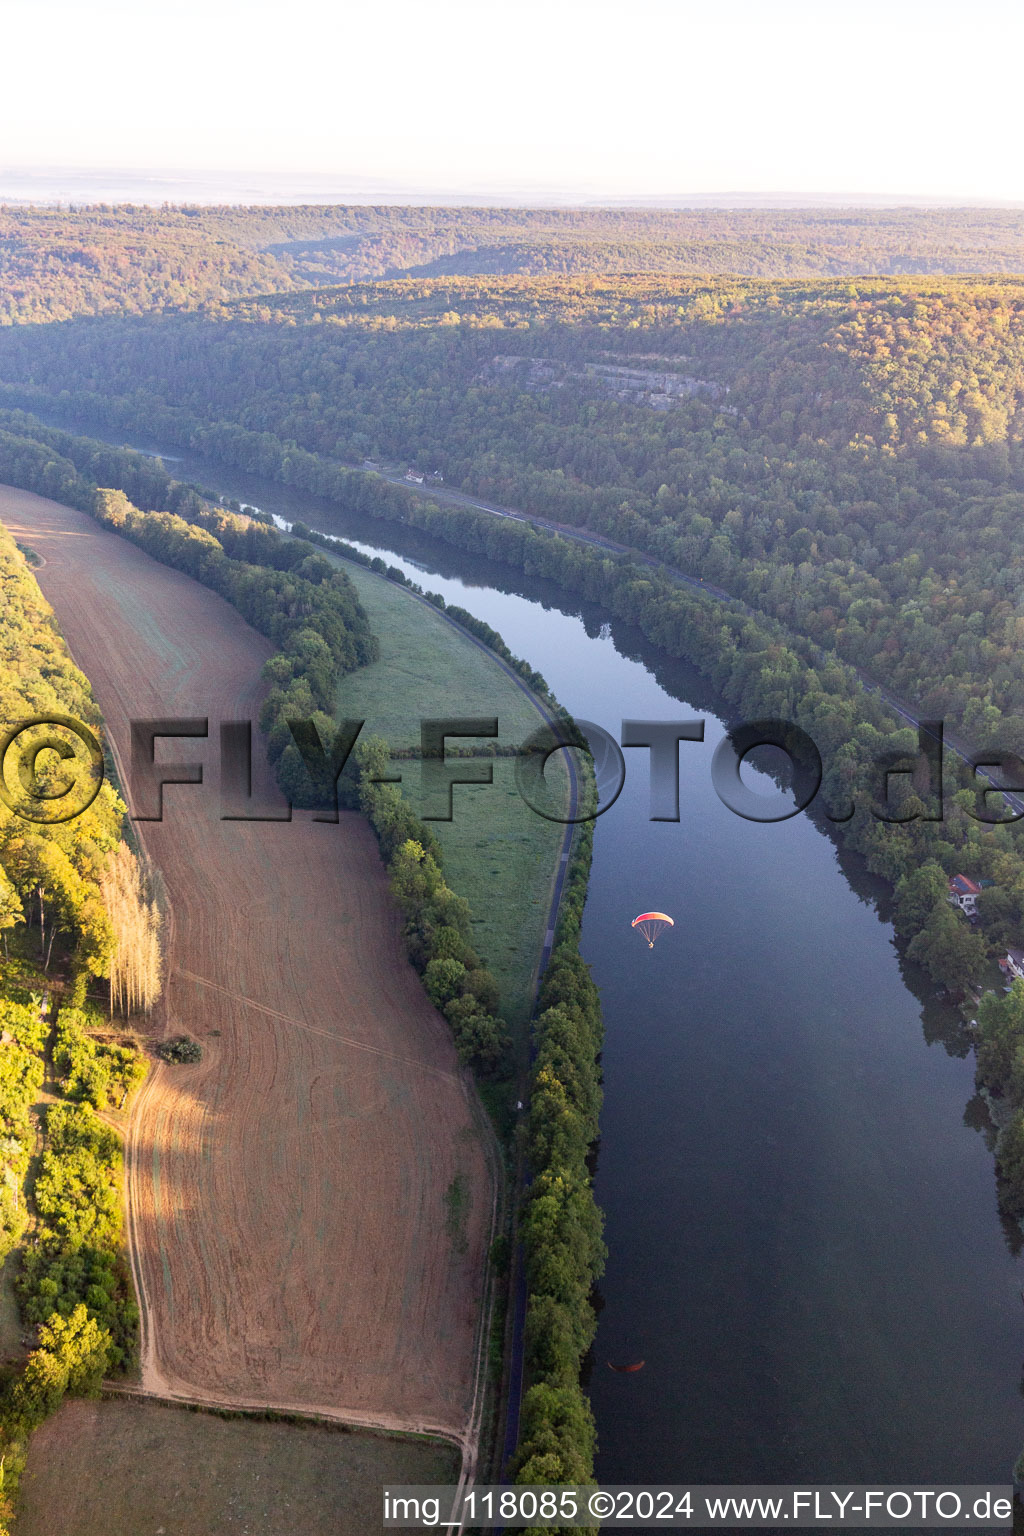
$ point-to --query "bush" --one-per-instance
(180, 1051)
(94, 1071)
(436, 926)
(24, 1021)
(1010, 1163)
(76, 1259)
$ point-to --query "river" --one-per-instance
(801, 1218)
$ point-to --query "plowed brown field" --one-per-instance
(286, 1195)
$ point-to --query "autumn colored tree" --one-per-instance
(136, 963)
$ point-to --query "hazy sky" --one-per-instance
(637, 97)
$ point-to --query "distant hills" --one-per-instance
(56, 263)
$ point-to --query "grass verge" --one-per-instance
(158, 1468)
(498, 853)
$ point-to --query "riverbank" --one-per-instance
(755, 1019)
(550, 1324)
(762, 668)
(799, 1205)
(498, 854)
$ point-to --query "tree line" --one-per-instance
(436, 924)
(562, 1224)
(61, 934)
(857, 470)
(72, 1279)
(284, 589)
(51, 875)
(1000, 1075)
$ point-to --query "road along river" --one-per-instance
(804, 1246)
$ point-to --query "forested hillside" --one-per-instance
(56, 263)
(356, 244)
(117, 261)
(845, 457)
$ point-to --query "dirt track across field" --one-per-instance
(290, 1235)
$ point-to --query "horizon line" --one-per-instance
(54, 184)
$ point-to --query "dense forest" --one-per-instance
(844, 457)
(357, 244)
(56, 263)
(840, 454)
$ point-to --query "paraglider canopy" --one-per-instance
(651, 924)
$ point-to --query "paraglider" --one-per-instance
(625, 1369)
(651, 924)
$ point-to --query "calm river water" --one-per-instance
(804, 1244)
